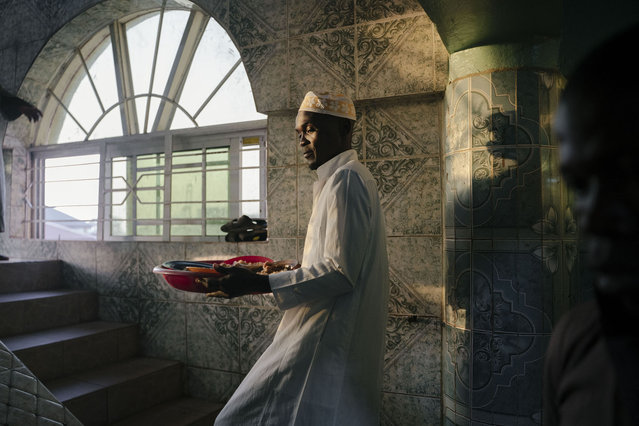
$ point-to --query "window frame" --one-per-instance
(166, 142)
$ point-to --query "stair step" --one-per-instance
(29, 275)
(117, 391)
(66, 350)
(180, 412)
(26, 312)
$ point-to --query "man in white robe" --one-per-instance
(324, 366)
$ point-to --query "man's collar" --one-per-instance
(327, 169)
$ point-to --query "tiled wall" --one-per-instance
(388, 57)
(511, 249)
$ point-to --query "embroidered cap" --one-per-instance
(329, 103)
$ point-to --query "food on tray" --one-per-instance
(262, 268)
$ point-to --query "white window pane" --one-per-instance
(140, 109)
(233, 103)
(251, 184)
(181, 120)
(70, 131)
(215, 56)
(102, 70)
(84, 105)
(109, 126)
(141, 34)
(172, 31)
(71, 197)
(251, 209)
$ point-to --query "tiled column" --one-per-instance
(510, 237)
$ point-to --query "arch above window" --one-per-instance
(164, 68)
(123, 160)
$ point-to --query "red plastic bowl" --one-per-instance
(185, 280)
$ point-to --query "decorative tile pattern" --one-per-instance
(267, 68)
(397, 58)
(282, 201)
(162, 329)
(373, 10)
(319, 15)
(401, 129)
(415, 287)
(257, 328)
(282, 146)
(212, 337)
(412, 359)
(79, 264)
(255, 22)
(153, 286)
(117, 269)
(323, 61)
(510, 246)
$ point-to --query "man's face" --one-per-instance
(318, 137)
(606, 185)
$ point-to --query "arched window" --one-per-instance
(156, 135)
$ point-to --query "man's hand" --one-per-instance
(236, 281)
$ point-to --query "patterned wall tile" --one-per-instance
(373, 10)
(396, 58)
(402, 129)
(267, 68)
(319, 15)
(212, 337)
(255, 22)
(119, 309)
(457, 202)
(210, 251)
(507, 293)
(218, 9)
(257, 328)
(457, 352)
(412, 361)
(415, 275)
(408, 186)
(214, 385)
(507, 372)
(324, 62)
(282, 202)
(400, 410)
(506, 188)
(117, 269)
(153, 286)
(416, 207)
(79, 264)
(457, 117)
(162, 329)
(457, 295)
(282, 146)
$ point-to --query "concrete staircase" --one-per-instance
(92, 367)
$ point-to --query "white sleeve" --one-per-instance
(348, 232)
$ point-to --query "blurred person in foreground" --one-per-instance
(324, 366)
(592, 364)
(12, 107)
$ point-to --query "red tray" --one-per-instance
(177, 277)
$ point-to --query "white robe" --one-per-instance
(324, 366)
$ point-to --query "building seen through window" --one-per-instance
(153, 135)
